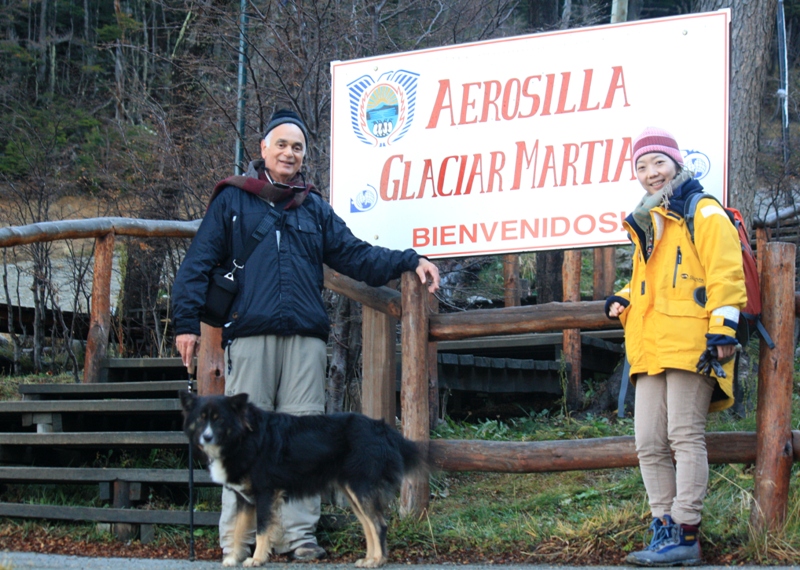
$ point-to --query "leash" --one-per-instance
(191, 370)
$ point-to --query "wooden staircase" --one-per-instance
(56, 426)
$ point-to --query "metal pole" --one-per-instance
(783, 92)
(619, 11)
(242, 80)
(191, 477)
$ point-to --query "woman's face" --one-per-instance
(654, 170)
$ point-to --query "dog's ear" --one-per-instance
(239, 406)
(239, 402)
(188, 400)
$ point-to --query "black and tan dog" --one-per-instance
(266, 456)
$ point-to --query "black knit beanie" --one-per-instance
(282, 116)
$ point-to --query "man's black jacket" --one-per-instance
(280, 287)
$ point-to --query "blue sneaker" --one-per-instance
(672, 545)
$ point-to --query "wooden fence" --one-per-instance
(772, 447)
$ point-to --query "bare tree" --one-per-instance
(752, 25)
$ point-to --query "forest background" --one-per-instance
(129, 108)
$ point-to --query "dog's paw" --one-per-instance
(370, 562)
(254, 562)
(230, 560)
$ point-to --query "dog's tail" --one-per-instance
(415, 457)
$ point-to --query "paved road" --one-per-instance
(20, 560)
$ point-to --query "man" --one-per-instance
(275, 341)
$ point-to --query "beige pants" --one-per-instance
(670, 416)
(283, 374)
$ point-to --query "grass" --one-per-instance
(579, 517)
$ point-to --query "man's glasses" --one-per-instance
(284, 186)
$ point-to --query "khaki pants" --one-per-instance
(283, 374)
(670, 415)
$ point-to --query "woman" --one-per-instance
(683, 299)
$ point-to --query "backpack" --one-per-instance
(750, 316)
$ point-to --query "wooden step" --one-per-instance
(142, 369)
(156, 439)
(91, 406)
(139, 516)
(104, 390)
(100, 514)
(83, 475)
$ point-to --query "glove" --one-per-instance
(708, 362)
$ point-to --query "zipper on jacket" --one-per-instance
(678, 259)
(643, 282)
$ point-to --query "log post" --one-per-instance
(605, 272)
(433, 370)
(210, 362)
(511, 280)
(774, 452)
(379, 382)
(572, 337)
(100, 318)
(415, 492)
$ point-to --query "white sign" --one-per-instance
(523, 143)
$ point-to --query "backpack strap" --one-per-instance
(690, 209)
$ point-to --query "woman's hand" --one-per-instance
(615, 310)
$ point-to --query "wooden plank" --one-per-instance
(571, 277)
(571, 455)
(101, 475)
(97, 514)
(415, 492)
(170, 362)
(775, 381)
(605, 272)
(210, 363)
(98, 439)
(516, 320)
(90, 406)
(511, 292)
(522, 340)
(115, 389)
(383, 299)
(100, 320)
(379, 365)
(95, 227)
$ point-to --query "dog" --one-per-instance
(268, 456)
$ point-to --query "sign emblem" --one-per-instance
(382, 110)
(698, 163)
(364, 200)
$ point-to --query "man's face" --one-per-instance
(283, 151)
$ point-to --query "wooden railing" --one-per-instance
(772, 447)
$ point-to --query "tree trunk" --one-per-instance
(752, 25)
(340, 332)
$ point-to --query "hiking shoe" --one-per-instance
(308, 551)
(672, 545)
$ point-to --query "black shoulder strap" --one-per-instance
(690, 209)
(257, 236)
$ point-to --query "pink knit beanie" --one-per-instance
(653, 139)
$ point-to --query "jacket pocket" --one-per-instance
(306, 237)
(680, 308)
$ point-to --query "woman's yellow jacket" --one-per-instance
(665, 325)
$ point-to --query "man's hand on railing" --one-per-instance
(187, 344)
(428, 274)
